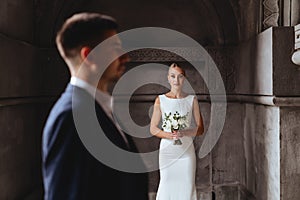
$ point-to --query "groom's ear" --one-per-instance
(84, 54)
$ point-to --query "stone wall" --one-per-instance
(261, 82)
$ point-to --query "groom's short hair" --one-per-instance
(83, 29)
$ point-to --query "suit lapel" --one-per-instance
(106, 123)
(110, 130)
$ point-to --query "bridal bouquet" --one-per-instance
(175, 122)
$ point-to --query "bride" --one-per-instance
(177, 160)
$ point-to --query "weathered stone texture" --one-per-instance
(17, 19)
(262, 151)
(285, 73)
(290, 153)
(20, 145)
(228, 161)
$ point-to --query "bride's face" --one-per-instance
(176, 77)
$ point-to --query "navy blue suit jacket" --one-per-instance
(70, 171)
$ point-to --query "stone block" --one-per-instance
(232, 192)
(20, 150)
(265, 66)
(204, 195)
(228, 156)
(17, 19)
(290, 153)
(28, 71)
(262, 151)
(255, 62)
(227, 192)
(285, 73)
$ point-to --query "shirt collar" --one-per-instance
(102, 98)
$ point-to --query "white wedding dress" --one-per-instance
(177, 163)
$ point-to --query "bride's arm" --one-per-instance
(198, 120)
(155, 119)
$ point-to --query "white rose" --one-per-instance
(168, 125)
(181, 121)
(175, 124)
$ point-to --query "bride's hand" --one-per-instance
(176, 135)
(169, 135)
(179, 133)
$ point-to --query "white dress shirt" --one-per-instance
(104, 100)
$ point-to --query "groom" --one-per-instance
(69, 170)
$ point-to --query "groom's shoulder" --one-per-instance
(73, 99)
